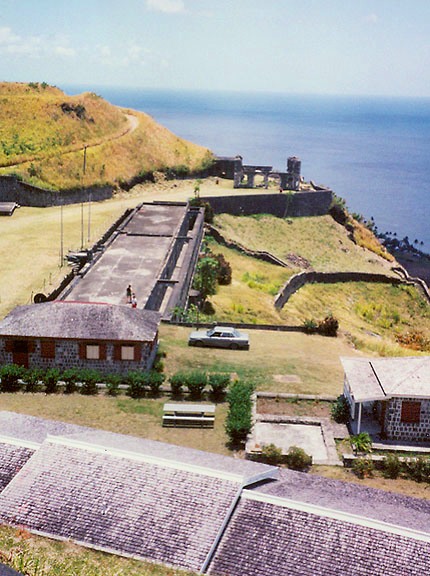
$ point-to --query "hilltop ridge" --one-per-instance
(44, 131)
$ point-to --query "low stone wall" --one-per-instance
(302, 278)
(308, 203)
(13, 190)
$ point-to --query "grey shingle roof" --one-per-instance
(242, 471)
(118, 504)
(31, 429)
(268, 539)
(353, 498)
(12, 459)
(380, 378)
(81, 320)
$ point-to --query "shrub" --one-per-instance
(329, 326)
(363, 467)
(89, 379)
(239, 418)
(50, 379)
(271, 454)
(224, 270)
(361, 442)
(218, 384)
(70, 377)
(310, 326)
(112, 384)
(391, 466)
(32, 379)
(136, 384)
(419, 468)
(340, 410)
(11, 375)
(177, 382)
(154, 381)
(196, 383)
(297, 459)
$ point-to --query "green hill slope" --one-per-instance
(43, 133)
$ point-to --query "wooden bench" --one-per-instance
(189, 415)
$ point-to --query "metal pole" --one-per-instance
(82, 225)
(62, 236)
(89, 216)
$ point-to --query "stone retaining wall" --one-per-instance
(312, 203)
(302, 278)
(13, 190)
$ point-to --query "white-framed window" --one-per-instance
(93, 352)
(127, 352)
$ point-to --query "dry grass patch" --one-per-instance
(319, 239)
(400, 485)
(36, 556)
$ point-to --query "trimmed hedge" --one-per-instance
(239, 417)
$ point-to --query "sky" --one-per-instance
(364, 47)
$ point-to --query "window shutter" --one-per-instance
(411, 412)
(102, 348)
(117, 351)
(82, 350)
(9, 346)
(137, 352)
(47, 348)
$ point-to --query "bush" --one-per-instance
(391, 466)
(70, 377)
(136, 384)
(340, 411)
(218, 384)
(89, 379)
(32, 379)
(310, 326)
(112, 384)
(361, 442)
(196, 383)
(177, 382)
(224, 270)
(11, 375)
(297, 459)
(418, 468)
(50, 379)
(239, 418)
(154, 380)
(363, 467)
(271, 454)
(329, 326)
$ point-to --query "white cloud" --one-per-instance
(32, 46)
(166, 6)
(372, 18)
(64, 51)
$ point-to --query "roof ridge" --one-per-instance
(377, 377)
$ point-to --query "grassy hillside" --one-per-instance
(374, 317)
(43, 133)
(318, 241)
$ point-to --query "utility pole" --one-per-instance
(84, 166)
(61, 237)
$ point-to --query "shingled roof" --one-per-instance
(271, 536)
(146, 499)
(81, 320)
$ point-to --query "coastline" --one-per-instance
(417, 265)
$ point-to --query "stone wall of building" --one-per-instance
(67, 356)
(308, 203)
(397, 430)
(13, 190)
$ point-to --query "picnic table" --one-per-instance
(189, 415)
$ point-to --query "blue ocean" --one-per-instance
(373, 152)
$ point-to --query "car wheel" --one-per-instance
(199, 343)
(234, 346)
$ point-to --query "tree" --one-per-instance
(205, 278)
